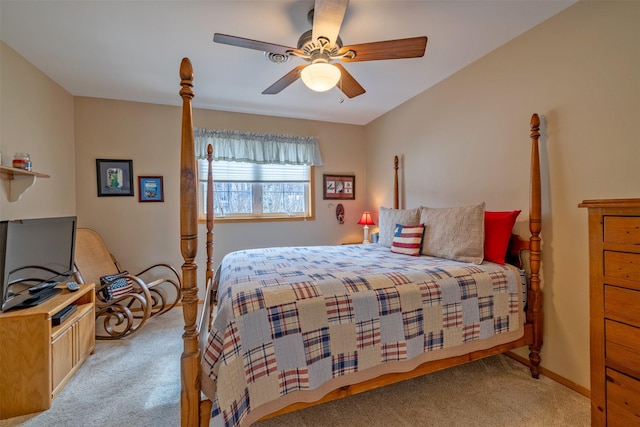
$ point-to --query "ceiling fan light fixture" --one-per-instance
(320, 76)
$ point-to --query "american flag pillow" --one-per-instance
(407, 239)
(117, 285)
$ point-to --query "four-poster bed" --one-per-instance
(512, 332)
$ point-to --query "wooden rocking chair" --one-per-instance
(124, 302)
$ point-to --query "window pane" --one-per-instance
(232, 198)
(287, 198)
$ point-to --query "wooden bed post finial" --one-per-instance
(186, 76)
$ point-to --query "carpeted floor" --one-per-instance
(136, 382)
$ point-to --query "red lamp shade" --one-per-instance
(365, 219)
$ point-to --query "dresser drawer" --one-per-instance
(623, 399)
(622, 229)
(622, 265)
(622, 304)
(622, 344)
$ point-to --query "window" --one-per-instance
(244, 191)
(257, 175)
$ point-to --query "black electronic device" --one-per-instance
(42, 287)
(73, 286)
(27, 299)
(63, 314)
(35, 254)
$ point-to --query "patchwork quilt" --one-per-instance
(295, 323)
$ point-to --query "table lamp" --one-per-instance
(366, 220)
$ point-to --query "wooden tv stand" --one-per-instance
(37, 359)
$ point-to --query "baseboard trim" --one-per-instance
(550, 374)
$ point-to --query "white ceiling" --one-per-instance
(131, 49)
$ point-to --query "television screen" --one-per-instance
(33, 252)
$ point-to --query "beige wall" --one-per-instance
(36, 117)
(142, 233)
(467, 140)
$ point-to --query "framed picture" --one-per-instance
(341, 187)
(150, 189)
(115, 177)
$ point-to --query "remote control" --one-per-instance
(72, 286)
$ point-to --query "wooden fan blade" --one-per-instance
(391, 49)
(284, 81)
(254, 44)
(347, 84)
(327, 19)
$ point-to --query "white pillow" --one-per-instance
(454, 233)
(388, 218)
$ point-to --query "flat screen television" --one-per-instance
(34, 252)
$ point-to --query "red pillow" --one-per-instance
(498, 227)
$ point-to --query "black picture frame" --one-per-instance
(150, 189)
(338, 187)
(115, 177)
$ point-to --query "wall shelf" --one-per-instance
(19, 180)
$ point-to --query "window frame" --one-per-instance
(261, 217)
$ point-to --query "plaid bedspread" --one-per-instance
(295, 323)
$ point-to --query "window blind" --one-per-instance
(224, 171)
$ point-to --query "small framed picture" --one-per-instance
(341, 187)
(115, 177)
(150, 189)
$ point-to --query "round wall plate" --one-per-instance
(340, 213)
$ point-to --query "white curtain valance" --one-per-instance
(261, 148)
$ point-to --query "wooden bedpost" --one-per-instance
(534, 294)
(190, 360)
(209, 246)
(396, 197)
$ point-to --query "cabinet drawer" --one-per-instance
(622, 229)
(622, 265)
(623, 399)
(622, 304)
(622, 344)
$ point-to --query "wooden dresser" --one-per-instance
(614, 252)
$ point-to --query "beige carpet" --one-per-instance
(136, 382)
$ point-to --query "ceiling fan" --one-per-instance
(321, 47)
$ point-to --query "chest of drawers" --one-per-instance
(614, 276)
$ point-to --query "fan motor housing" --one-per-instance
(309, 46)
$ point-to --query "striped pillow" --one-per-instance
(407, 239)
